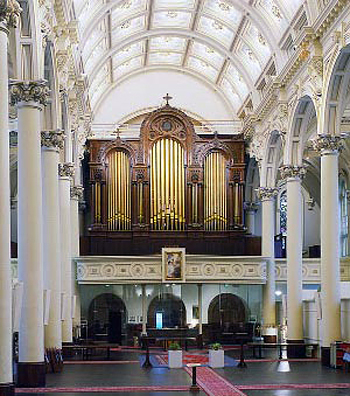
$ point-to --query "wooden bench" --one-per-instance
(280, 345)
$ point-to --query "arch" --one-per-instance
(145, 69)
(226, 310)
(271, 161)
(252, 180)
(172, 308)
(107, 317)
(50, 110)
(336, 82)
(298, 132)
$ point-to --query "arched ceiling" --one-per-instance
(227, 42)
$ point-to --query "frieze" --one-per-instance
(10, 11)
(327, 143)
(292, 172)
(29, 91)
(266, 193)
(52, 139)
(66, 169)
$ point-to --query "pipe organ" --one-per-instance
(169, 180)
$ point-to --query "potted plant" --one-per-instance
(174, 355)
(216, 356)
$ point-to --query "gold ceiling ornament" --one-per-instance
(223, 6)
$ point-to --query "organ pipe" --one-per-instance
(119, 193)
(215, 196)
(167, 185)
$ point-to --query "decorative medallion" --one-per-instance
(237, 271)
(107, 270)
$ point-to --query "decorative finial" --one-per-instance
(167, 98)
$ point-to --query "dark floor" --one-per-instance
(127, 372)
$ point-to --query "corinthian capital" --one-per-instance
(29, 91)
(327, 143)
(266, 193)
(77, 193)
(66, 170)
(9, 12)
(52, 139)
(292, 172)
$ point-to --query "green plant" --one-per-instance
(216, 346)
(174, 346)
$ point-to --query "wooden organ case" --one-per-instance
(170, 187)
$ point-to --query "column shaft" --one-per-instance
(294, 260)
(268, 251)
(51, 248)
(250, 221)
(6, 376)
(66, 257)
(144, 310)
(330, 263)
(75, 236)
(200, 308)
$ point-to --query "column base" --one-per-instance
(296, 351)
(31, 374)
(7, 389)
(326, 356)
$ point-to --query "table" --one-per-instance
(279, 345)
(87, 349)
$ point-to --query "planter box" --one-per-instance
(175, 359)
(216, 358)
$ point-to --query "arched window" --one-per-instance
(215, 210)
(167, 176)
(118, 190)
(344, 219)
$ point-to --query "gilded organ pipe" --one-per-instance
(215, 197)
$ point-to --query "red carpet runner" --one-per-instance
(105, 389)
(213, 384)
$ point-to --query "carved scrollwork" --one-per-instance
(29, 91)
(266, 193)
(116, 144)
(66, 169)
(292, 172)
(77, 193)
(327, 143)
(52, 139)
(10, 11)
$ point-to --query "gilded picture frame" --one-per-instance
(173, 265)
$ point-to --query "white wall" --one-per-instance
(146, 90)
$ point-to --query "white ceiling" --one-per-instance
(226, 42)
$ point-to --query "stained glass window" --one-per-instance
(283, 213)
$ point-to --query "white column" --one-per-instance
(76, 195)
(267, 197)
(200, 308)
(329, 146)
(293, 176)
(250, 211)
(144, 310)
(8, 19)
(30, 96)
(52, 142)
(66, 173)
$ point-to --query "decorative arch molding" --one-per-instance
(302, 113)
(270, 163)
(336, 81)
(117, 144)
(172, 308)
(215, 145)
(227, 309)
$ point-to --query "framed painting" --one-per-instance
(173, 264)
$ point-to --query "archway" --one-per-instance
(227, 311)
(172, 308)
(107, 318)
